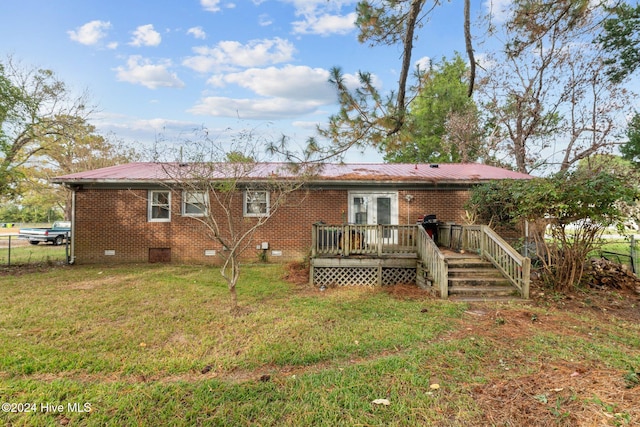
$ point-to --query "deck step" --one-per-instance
(474, 272)
(479, 281)
(472, 278)
(476, 263)
(489, 299)
(483, 291)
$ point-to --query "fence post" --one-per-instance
(526, 275)
(444, 282)
(464, 233)
(314, 240)
(66, 249)
(346, 240)
(634, 254)
(483, 240)
(9, 255)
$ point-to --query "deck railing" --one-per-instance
(486, 242)
(362, 239)
(434, 262)
(402, 240)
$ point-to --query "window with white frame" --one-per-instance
(256, 203)
(159, 206)
(194, 203)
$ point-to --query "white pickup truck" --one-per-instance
(57, 234)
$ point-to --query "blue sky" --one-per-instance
(164, 67)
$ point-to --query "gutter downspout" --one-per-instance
(72, 256)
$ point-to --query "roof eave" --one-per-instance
(315, 182)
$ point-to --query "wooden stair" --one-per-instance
(472, 278)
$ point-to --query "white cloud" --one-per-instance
(210, 5)
(323, 17)
(214, 5)
(307, 125)
(145, 35)
(291, 82)
(485, 62)
(142, 131)
(228, 55)
(313, 7)
(201, 63)
(424, 63)
(264, 20)
(90, 33)
(500, 10)
(352, 81)
(158, 124)
(119, 122)
(285, 92)
(253, 109)
(141, 71)
(197, 32)
(325, 24)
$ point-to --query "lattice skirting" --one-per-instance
(362, 276)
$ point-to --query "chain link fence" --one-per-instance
(622, 251)
(15, 251)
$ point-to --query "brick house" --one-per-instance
(134, 213)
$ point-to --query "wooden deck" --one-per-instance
(354, 255)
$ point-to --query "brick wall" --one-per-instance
(447, 205)
(112, 226)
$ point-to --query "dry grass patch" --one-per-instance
(567, 361)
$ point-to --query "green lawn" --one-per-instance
(157, 345)
(43, 253)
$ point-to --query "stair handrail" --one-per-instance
(433, 260)
(503, 256)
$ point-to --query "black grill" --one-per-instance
(430, 224)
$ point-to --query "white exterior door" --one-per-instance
(374, 208)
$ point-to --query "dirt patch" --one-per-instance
(557, 393)
(561, 395)
(602, 301)
(297, 273)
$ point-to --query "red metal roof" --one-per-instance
(374, 172)
(431, 172)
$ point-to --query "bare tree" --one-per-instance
(549, 101)
(596, 110)
(463, 134)
(522, 99)
(231, 193)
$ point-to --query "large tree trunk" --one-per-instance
(469, 46)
